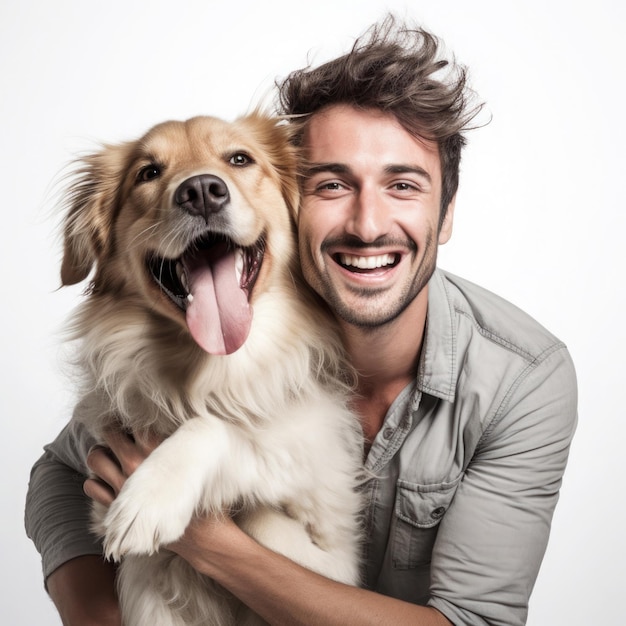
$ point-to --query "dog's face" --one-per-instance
(190, 221)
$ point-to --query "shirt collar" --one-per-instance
(437, 371)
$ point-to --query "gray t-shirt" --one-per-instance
(465, 471)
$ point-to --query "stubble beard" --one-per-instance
(374, 310)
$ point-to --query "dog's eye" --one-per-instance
(240, 159)
(149, 172)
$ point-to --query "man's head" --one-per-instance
(380, 130)
(397, 70)
(369, 218)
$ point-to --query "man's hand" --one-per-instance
(112, 465)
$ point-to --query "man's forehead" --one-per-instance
(339, 135)
(335, 116)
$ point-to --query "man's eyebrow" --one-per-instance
(408, 169)
(341, 168)
(333, 168)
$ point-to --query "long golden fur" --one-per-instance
(260, 427)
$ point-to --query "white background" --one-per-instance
(540, 216)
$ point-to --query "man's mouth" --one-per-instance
(212, 282)
(356, 263)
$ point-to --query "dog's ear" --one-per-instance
(287, 163)
(277, 136)
(90, 209)
(290, 166)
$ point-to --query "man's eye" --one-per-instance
(332, 186)
(148, 173)
(401, 186)
(241, 159)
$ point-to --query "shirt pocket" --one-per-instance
(418, 511)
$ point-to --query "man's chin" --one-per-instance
(366, 312)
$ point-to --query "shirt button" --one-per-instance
(438, 512)
(387, 433)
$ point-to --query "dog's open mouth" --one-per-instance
(212, 282)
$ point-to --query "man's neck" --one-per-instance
(386, 361)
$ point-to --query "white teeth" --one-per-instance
(367, 262)
(189, 298)
(239, 261)
(182, 276)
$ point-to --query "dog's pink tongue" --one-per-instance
(219, 315)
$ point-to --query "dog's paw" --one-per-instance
(144, 517)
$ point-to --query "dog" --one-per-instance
(197, 327)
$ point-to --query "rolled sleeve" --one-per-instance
(493, 537)
(57, 512)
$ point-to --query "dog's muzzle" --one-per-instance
(212, 281)
(202, 195)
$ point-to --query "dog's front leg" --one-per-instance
(158, 501)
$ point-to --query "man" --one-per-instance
(468, 406)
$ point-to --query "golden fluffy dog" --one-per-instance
(197, 326)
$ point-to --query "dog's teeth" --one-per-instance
(239, 263)
(189, 298)
(182, 276)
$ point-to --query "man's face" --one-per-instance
(369, 218)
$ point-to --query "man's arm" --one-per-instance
(83, 591)
(79, 581)
(276, 588)
(493, 537)
(283, 592)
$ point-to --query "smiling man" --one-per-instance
(369, 226)
(467, 404)
(369, 223)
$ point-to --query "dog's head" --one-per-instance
(189, 221)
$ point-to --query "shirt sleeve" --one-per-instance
(57, 513)
(493, 537)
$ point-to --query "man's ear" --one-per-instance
(445, 231)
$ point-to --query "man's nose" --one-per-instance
(370, 216)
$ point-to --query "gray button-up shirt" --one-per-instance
(465, 472)
(468, 464)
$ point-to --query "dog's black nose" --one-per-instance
(202, 195)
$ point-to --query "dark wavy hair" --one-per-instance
(398, 70)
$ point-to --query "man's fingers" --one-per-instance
(130, 450)
(106, 467)
(128, 453)
(149, 442)
(99, 491)
(114, 463)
